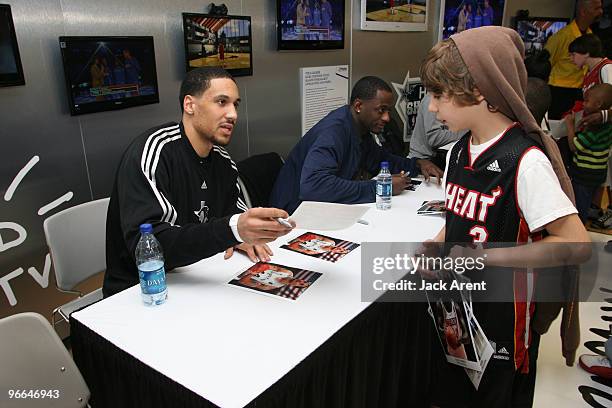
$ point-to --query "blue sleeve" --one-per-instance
(322, 178)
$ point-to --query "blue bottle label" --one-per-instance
(152, 282)
(383, 190)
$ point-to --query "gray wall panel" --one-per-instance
(79, 154)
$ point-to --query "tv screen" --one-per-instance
(535, 30)
(106, 73)
(218, 41)
(310, 24)
(11, 72)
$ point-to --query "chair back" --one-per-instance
(34, 358)
(76, 238)
(258, 174)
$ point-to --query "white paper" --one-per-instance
(311, 215)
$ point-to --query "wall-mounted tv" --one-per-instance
(106, 73)
(218, 41)
(11, 72)
(310, 24)
(535, 30)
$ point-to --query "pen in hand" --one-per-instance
(284, 222)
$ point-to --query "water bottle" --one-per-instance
(384, 187)
(150, 262)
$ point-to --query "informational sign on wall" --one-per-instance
(322, 89)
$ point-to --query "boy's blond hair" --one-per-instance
(445, 73)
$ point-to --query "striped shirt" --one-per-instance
(187, 198)
(590, 161)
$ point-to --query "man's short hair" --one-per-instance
(603, 93)
(587, 44)
(538, 98)
(538, 64)
(367, 87)
(197, 81)
(445, 72)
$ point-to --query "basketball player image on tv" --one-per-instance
(222, 41)
(402, 11)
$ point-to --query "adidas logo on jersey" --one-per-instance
(494, 167)
(503, 351)
(204, 186)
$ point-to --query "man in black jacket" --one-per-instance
(180, 179)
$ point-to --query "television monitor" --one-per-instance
(310, 24)
(106, 73)
(11, 71)
(535, 30)
(218, 41)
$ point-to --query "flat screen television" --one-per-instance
(310, 24)
(218, 41)
(107, 73)
(11, 71)
(535, 30)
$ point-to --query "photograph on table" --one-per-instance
(413, 184)
(433, 207)
(460, 15)
(320, 246)
(277, 280)
(394, 15)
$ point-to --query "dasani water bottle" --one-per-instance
(384, 187)
(150, 262)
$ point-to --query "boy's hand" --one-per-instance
(592, 119)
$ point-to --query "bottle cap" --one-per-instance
(384, 165)
(146, 228)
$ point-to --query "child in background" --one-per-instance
(590, 148)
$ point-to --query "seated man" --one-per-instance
(178, 178)
(428, 135)
(336, 158)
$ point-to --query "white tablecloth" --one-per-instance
(229, 345)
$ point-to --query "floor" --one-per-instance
(557, 384)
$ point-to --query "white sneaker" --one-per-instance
(596, 364)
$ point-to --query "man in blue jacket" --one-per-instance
(336, 158)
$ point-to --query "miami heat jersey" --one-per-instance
(594, 76)
(482, 206)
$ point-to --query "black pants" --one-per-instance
(562, 100)
(500, 387)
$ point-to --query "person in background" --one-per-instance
(587, 51)
(428, 135)
(488, 14)
(337, 158)
(591, 149)
(566, 79)
(179, 178)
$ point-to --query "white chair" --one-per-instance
(34, 360)
(76, 238)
